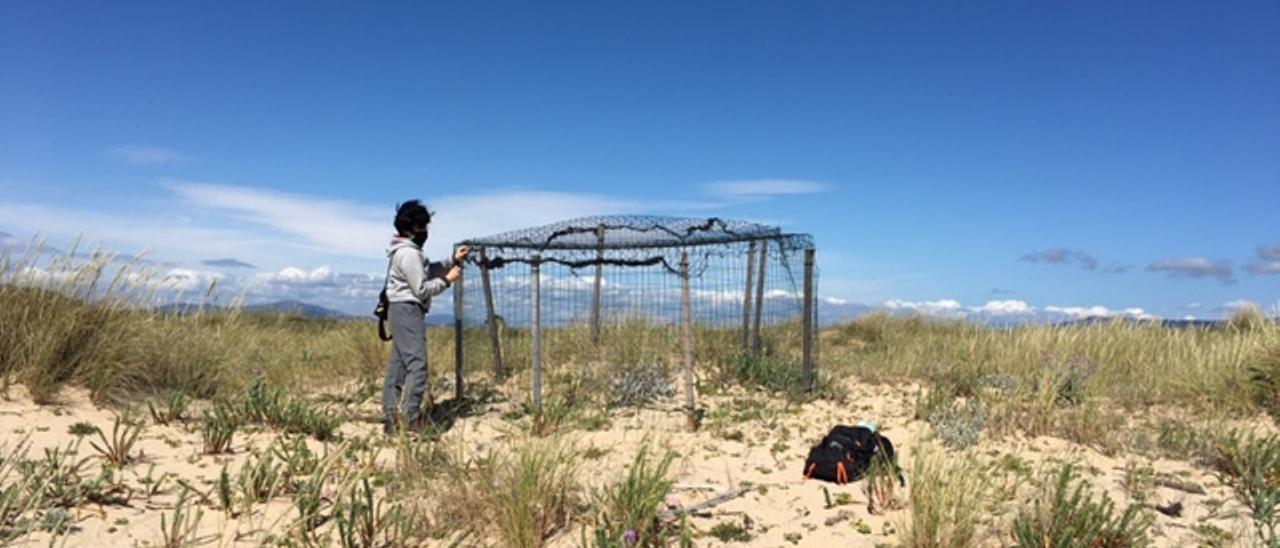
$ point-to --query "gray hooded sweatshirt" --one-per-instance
(410, 277)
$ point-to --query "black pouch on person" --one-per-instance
(380, 311)
(847, 452)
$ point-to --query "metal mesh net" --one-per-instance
(610, 291)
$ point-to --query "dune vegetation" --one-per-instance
(228, 428)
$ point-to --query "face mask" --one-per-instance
(420, 238)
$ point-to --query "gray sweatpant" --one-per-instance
(407, 371)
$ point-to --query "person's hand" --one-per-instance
(453, 275)
(461, 253)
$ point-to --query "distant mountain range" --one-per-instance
(828, 314)
(288, 307)
(1170, 323)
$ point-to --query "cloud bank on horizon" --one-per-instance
(300, 239)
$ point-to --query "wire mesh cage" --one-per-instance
(621, 292)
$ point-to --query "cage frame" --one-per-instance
(575, 235)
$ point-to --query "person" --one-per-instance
(411, 283)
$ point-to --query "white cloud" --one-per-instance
(36, 276)
(1195, 267)
(184, 280)
(1063, 256)
(268, 228)
(1079, 312)
(227, 262)
(289, 275)
(945, 308)
(1009, 311)
(147, 155)
(96, 276)
(1137, 313)
(359, 230)
(1268, 261)
(1004, 308)
(835, 301)
(764, 188)
(1097, 311)
(332, 225)
(347, 291)
(1239, 305)
(778, 294)
(176, 238)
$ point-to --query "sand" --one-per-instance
(749, 442)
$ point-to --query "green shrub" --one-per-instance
(531, 493)
(220, 426)
(727, 531)
(173, 408)
(16, 497)
(1264, 382)
(950, 495)
(55, 479)
(363, 520)
(260, 478)
(1140, 363)
(81, 429)
(775, 375)
(881, 485)
(627, 511)
(1250, 465)
(263, 404)
(640, 383)
(299, 460)
(958, 424)
(1066, 514)
(117, 450)
(178, 530)
(226, 491)
(57, 521)
(1069, 377)
(1248, 319)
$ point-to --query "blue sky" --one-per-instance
(1113, 154)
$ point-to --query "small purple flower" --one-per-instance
(630, 537)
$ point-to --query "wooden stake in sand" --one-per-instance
(457, 333)
(494, 337)
(696, 509)
(746, 299)
(595, 290)
(536, 267)
(755, 329)
(690, 396)
(808, 321)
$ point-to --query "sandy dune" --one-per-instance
(747, 441)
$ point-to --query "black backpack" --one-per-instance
(845, 454)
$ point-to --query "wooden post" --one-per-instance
(686, 307)
(755, 328)
(809, 323)
(746, 299)
(457, 335)
(495, 338)
(595, 295)
(536, 267)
